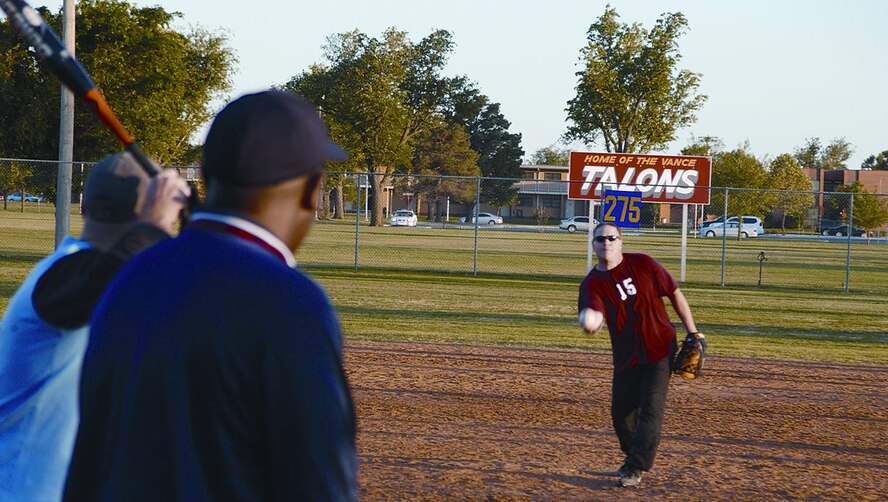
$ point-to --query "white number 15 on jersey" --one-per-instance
(630, 288)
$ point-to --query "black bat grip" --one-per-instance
(142, 159)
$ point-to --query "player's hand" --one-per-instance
(166, 196)
(591, 320)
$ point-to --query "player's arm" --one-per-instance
(590, 309)
(67, 292)
(309, 416)
(680, 304)
(591, 320)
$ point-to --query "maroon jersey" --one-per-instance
(630, 296)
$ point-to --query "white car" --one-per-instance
(719, 229)
(753, 222)
(575, 223)
(403, 218)
(485, 219)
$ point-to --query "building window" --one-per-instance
(552, 203)
(525, 201)
(552, 176)
(528, 175)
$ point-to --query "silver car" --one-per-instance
(485, 219)
(753, 222)
(575, 223)
(731, 230)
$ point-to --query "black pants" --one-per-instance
(637, 405)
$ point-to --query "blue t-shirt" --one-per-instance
(39, 377)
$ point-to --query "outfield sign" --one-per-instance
(678, 179)
(622, 208)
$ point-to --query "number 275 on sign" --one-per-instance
(622, 208)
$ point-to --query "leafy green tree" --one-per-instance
(707, 146)
(160, 82)
(740, 169)
(381, 93)
(836, 154)
(877, 162)
(29, 98)
(630, 92)
(445, 150)
(314, 84)
(870, 211)
(332, 199)
(551, 155)
(499, 153)
(832, 156)
(14, 178)
(795, 196)
(809, 154)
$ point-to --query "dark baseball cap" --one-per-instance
(114, 187)
(267, 137)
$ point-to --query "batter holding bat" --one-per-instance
(626, 291)
(44, 331)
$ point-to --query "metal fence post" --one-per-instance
(477, 210)
(724, 237)
(848, 252)
(357, 217)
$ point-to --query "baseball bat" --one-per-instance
(59, 61)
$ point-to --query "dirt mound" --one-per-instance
(457, 422)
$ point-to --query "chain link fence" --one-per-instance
(833, 241)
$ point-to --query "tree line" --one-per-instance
(388, 102)
(386, 99)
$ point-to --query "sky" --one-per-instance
(776, 72)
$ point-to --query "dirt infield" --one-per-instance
(474, 423)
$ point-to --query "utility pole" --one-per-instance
(66, 137)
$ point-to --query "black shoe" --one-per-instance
(631, 478)
(624, 469)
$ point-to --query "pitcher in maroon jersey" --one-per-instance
(626, 289)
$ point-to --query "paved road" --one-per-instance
(554, 229)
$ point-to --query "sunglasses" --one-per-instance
(601, 238)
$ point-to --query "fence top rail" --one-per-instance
(518, 181)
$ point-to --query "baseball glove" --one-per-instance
(689, 361)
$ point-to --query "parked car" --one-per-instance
(17, 197)
(825, 224)
(704, 224)
(575, 223)
(730, 229)
(748, 221)
(403, 218)
(841, 230)
(484, 219)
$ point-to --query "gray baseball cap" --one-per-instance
(114, 188)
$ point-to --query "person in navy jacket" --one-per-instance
(214, 369)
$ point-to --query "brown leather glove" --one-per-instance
(689, 361)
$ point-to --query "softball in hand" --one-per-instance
(591, 320)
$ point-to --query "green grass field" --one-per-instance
(816, 264)
(491, 310)
(417, 285)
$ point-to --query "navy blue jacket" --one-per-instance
(213, 371)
